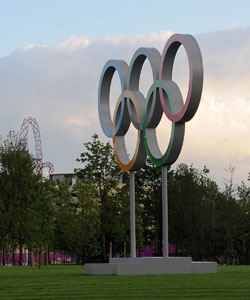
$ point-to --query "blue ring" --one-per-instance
(104, 90)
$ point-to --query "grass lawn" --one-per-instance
(69, 282)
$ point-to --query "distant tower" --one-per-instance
(23, 138)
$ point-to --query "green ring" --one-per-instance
(163, 159)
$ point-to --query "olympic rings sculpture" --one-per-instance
(164, 96)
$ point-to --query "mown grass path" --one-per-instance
(69, 282)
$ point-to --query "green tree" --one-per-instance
(149, 207)
(86, 224)
(65, 212)
(17, 181)
(193, 197)
(40, 219)
(243, 241)
(100, 167)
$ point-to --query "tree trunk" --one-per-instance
(47, 255)
(110, 250)
(29, 256)
(20, 254)
(42, 257)
(24, 257)
(125, 250)
(13, 257)
(3, 256)
(39, 259)
(104, 245)
(32, 257)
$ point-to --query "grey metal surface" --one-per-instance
(134, 74)
(104, 93)
(145, 113)
(151, 265)
(173, 100)
(132, 214)
(122, 157)
(165, 210)
(149, 260)
(195, 74)
(131, 103)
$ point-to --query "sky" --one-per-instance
(52, 54)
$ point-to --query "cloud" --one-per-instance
(76, 121)
(58, 86)
(75, 43)
(141, 40)
(32, 46)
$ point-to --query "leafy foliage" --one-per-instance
(86, 219)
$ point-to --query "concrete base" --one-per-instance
(150, 265)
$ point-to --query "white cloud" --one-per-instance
(32, 46)
(141, 40)
(75, 43)
(233, 26)
(58, 86)
(76, 121)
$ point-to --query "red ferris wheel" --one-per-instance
(23, 138)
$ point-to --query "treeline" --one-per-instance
(40, 215)
(91, 218)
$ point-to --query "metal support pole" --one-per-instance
(132, 214)
(165, 210)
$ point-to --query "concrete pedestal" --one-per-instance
(150, 265)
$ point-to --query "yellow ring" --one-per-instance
(120, 150)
